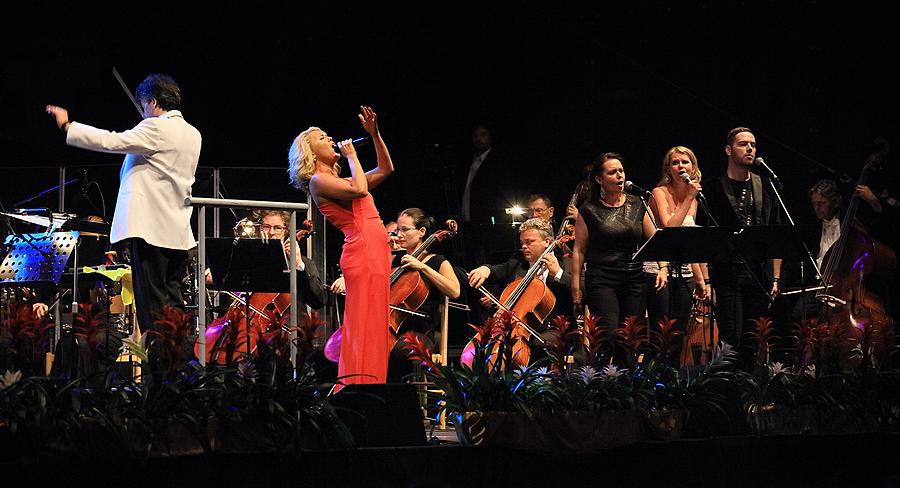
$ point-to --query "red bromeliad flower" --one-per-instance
(764, 336)
(596, 337)
(631, 335)
(667, 341)
(806, 340)
(171, 334)
(417, 350)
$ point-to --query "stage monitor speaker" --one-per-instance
(382, 415)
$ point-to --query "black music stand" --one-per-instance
(690, 244)
(762, 242)
(248, 265)
(686, 245)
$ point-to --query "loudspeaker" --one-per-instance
(382, 415)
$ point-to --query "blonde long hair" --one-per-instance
(302, 161)
(666, 177)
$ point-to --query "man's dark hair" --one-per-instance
(162, 88)
(539, 196)
(729, 139)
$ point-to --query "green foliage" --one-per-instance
(256, 404)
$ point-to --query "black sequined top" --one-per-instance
(614, 234)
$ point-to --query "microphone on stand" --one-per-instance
(760, 163)
(636, 190)
(687, 179)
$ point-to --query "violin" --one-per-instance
(857, 268)
(228, 337)
(529, 303)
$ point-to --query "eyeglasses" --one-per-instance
(404, 230)
(276, 228)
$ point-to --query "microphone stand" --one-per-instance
(772, 181)
(647, 209)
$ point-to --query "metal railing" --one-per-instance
(202, 204)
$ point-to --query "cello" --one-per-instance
(857, 268)
(227, 337)
(528, 302)
(408, 291)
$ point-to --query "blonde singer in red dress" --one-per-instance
(365, 260)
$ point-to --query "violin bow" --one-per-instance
(490, 296)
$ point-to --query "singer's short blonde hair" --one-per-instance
(302, 161)
(666, 178)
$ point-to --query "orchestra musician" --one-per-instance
(535, 236)
(413, 226)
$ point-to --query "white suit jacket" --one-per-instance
(156, 177)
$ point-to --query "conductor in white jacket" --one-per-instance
(151, 216)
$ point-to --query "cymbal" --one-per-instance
(64, 222)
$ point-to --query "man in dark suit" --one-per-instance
(535, 235)
(488, 184)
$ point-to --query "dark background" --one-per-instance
(817, 83)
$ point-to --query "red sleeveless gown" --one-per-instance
(365, 262)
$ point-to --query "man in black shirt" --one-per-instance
(743, 287)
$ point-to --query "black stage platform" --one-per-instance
(864, 460)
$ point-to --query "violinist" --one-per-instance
(311, 291)
(608, 231)
(535, 236)
(674, 204)
(413, 226)
(739, 198)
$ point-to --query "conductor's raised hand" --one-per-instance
(369, 120)
(60, 115)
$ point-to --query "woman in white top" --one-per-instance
(674, 203)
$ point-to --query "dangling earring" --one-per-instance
(315, 160)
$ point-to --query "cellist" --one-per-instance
(535, 235)
(413, 226)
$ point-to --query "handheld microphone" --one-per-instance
(759, 162)
(32, 211)
(687, 179)
(357, 143)
(636, 190)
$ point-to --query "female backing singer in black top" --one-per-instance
(608, 231)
